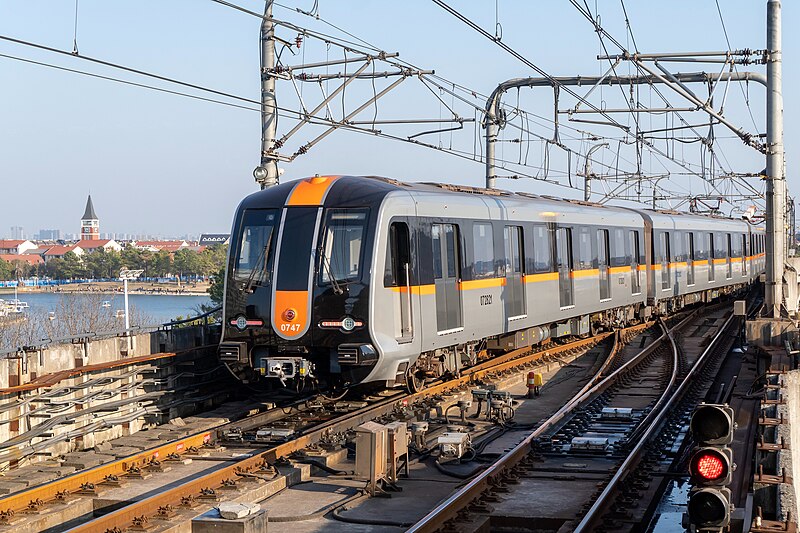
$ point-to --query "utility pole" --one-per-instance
(587, 170)
(266, 174)
(776, 180)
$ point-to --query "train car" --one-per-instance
(694, 258)
(347, 280)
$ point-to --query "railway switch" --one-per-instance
(711, 468)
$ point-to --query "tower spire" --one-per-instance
(90, 224)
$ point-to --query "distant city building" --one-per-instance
(90, 224)
(210, 239)
(17, 232)
(49, 234)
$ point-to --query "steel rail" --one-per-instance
(472, 490)
(632, 459)
(150, 506)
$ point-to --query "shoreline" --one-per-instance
(111, 289)
(104, 292)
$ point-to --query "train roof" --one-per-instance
(372, 189)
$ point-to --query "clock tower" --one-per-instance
(90, 224)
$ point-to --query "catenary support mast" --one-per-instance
(776, 179)
(266, 174)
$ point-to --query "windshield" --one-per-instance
(344, 236)
(255, 243)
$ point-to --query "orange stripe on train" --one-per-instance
(311, 191)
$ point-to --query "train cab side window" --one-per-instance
(482, 251)
(397, 272)
(542, 249)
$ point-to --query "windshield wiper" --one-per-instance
(337, 289)
(261, 267)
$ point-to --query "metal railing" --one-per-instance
(88, 336)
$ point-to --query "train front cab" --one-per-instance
(297, 288)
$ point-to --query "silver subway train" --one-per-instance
(347, 280)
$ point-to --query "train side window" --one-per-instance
(542, 249)
(618, 253)
(398, 256)
(633, 237)
(585, 259)
(721, 249)
(482, 251)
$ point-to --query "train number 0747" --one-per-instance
(290, 327)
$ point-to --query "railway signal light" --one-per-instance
(711, 467)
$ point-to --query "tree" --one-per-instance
(6, 270)
(102, 263)
(72, 267)
(217, 288)
(213, 259)
(160, 265)
(186, 262)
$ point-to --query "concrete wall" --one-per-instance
(156, 383)
(790, 433)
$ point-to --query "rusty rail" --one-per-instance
(149, 507)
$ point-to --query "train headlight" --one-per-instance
(348, 323)
(241, 322)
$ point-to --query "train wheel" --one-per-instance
(415, 380)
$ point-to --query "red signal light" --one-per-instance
(710, 466)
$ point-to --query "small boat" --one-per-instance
(106, 303)
(51, 315)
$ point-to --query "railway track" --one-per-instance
(600, 447)
(90, 483)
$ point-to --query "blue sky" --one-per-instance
(163, 164)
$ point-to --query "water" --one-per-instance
(157, 308)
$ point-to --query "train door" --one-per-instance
(730, 256)
(566, 289)
(744, 254)
(711, 253)
(666, 272)
(690, 258)
(515, 286)
(399, 275)
(603, 264)
(633, 236)
(446, 276)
